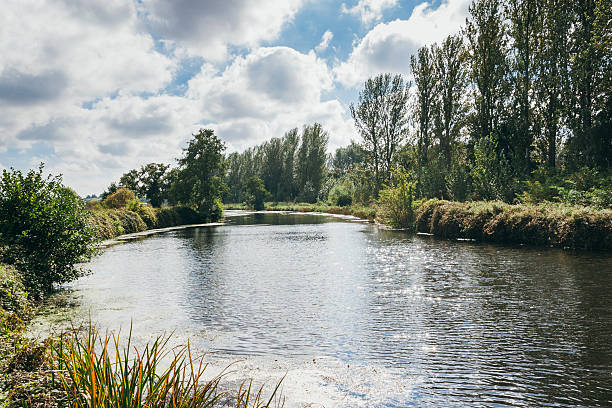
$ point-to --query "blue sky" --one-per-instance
(94, 88)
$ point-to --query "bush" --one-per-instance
(341, 194)
(119, 198)
(44, 230)
(146, 213)
(395, 203)
(13, 295)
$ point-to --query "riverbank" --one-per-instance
(547, 224)
(112, 223)
(542, 224)
(360, 211)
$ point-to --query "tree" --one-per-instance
(132, 181)
(153, 182)
(552, 66)
(451, 78)
(380, 118)
(525, 30)
(394, 115)
(44, 229)
(255, 193)
(487, 45)
(199, 183)
(310, 169)
(424, 78)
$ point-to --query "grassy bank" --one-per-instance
(550, 224)
(359, 211)
(110, 223)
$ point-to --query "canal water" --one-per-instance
(356, 316)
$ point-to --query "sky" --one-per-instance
(94, 88)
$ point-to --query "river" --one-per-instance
(357, 316)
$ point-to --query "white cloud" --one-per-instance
(268, 92)
(388, 46)
(206, 28)
(369, 10)
(325, 40)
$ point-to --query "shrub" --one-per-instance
(146, 213)
(341, 194)
(13, 295)
(44, 229)
(119, 198)
(395, 203)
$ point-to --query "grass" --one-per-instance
(551, 224)
(95, 371)
(359, 211)
(110, 223)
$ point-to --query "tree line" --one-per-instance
(514, 103)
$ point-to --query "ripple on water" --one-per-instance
(357, 316)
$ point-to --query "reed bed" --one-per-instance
(95, 371)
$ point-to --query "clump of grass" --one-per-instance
(534, 224)
(95, 371)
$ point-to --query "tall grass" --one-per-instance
(95, 371)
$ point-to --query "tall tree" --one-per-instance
(394, 118)
(524, 30)
(153, 182)
(552, 67)
(366, 116)
(451, 78)
(425, 80)
(199, 183)
(589, 111)
(381, 119)
(311, 161)
(487, 44)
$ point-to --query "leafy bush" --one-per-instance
(119, 198)
(178, 215)
(44, 229)
(341, 194)
(13, 295)
(395, 203)
(146, 213)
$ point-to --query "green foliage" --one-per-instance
(119, 198)
(146, 213)
(96, 371)
(491, 173)
(44, 229)
(542, 224)
(341, 193)
(13, 294)
(255, 193)
(199, 183)
(395, 204)
(177, 215)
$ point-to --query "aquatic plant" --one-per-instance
(95, 371)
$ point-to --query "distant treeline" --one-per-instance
(517, 106)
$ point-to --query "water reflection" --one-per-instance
(423, 321)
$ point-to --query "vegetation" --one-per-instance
(516, 108)
(44, 231)
(540, 224)
(95, 371)
(196, 183)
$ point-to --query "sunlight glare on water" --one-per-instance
(358, 316)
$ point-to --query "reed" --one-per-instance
(95, 371)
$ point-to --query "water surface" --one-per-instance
(359, 316)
